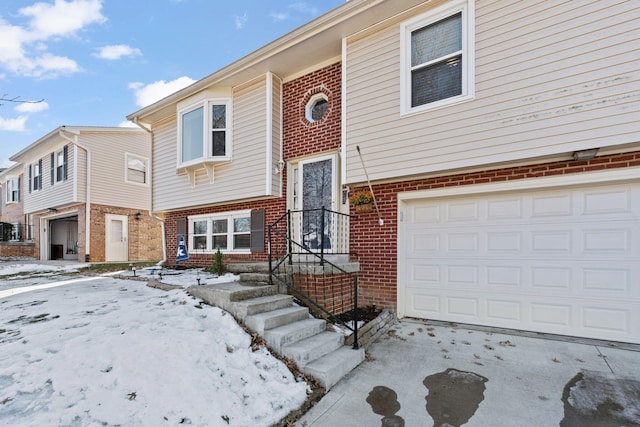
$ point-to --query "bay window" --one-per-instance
(204, 132)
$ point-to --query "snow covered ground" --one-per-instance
(93, 351)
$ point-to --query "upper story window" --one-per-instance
(204, 132)
(437, 58)
(61, 164)
(12, 190)
(136, 169)
(35, 176)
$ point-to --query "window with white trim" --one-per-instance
(61, 164)
(204, 132)
(229, 232)
(136, 169)
(437, 58)
(36, 177)
(12, 190)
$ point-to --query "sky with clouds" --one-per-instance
(92, 62)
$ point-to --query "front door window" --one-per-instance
(317, 191)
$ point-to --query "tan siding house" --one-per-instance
(550, 79)
(500, 138)
(87, 195)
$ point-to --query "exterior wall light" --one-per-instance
(585, 154)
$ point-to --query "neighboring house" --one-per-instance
(15, 233)
(501, 139)
(85, 194)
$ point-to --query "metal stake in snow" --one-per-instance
(375, 203)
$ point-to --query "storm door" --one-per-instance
(314, 189)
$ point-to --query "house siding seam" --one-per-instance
(376, 246)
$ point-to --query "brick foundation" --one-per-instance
(333, 292)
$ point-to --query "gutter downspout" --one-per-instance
(162, 225)
(87, 204)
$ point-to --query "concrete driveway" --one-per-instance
(423, 374)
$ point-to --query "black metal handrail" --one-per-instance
(300, 243)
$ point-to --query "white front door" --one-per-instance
(116, 238)
(315, 180)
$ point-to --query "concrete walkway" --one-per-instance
(481, 378)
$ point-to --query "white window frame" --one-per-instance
(60, 165)
(12, 185)
(207, 142)
(144, 160)
(36, 179)
(468, 57)
(229, 216)
(308, 109)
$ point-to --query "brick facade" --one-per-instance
(300, 137)
(145, 238)
(376, 246)
(144, 235)
(274, 208)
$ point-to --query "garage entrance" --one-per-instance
(562, 260)
(63, 238)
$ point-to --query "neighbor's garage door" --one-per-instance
(564, 261)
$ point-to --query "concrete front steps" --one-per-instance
(286, 327)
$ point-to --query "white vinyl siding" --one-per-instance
(61, 193)
(243, 177)
(551, 78)
(109, 186)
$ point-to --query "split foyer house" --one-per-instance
(501, 141)
(83, 193)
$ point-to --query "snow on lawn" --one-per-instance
(12, 275)
(108, 351)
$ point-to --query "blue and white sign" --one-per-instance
(182, 254)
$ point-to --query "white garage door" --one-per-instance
(563, 261)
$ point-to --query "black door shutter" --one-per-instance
(257, 230)
(52, 168)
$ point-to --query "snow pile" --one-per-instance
(115, 352)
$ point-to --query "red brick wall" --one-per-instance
(17, 249)
(376, 246)
(301, 137)
(333, 292)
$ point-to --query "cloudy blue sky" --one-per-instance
(92, 62)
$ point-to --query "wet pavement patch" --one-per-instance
(454, 396)
(593, 399)
(384, 401)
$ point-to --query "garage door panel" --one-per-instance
(561, 261)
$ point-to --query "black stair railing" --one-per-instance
(303, 249)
